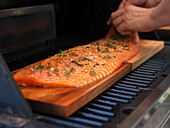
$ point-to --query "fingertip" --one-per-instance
(126, 33)
(108, 22)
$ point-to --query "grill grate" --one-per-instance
(119, 100)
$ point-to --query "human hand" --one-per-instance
(132, 18)
(142, 3)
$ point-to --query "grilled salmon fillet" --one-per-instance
(81, 65)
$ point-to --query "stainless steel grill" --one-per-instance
(111, 107)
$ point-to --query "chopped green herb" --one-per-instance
(112, 42)
(92, 72)
(98, 49)
(67, 65)
(74, 54)
(104, 51)
(56, 70)
(67, 74)
(72, 69)
(107, 57)
(114, 56)
(40, 67)
(108, 44)
(60, 51)
(49, 74)
(97, 63)
(114, 47)
(125, 46)
(85, 58)
(126, 49)
(103, 64)
(48, 67)
(75, 61)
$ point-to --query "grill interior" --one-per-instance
(111, 107)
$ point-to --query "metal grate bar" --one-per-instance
(100, 106)
(115, 99)
(152, 69)
(128, 89)
(126, 85)
(143, 75)
(61, 122)
(123, 92)
(86, 121)
(92, 116)
(146, 70)
(133, 83)
(154, 66)
(140, 78)
(145, 89)
(156, 61)
(143, 72)
(100, 112)
(137, 80)
(106, 102)
(119, 95)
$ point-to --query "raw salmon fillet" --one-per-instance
(81, 65)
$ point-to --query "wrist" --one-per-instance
(160, 16)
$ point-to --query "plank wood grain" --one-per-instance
(167, 28)
(65, 101)
(147, 49)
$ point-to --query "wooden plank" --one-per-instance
(65, 101)
(167, 28)
(147, 49)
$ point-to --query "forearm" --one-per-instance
(143, 3)
(161, 14)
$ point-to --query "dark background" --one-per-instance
(86, 17)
